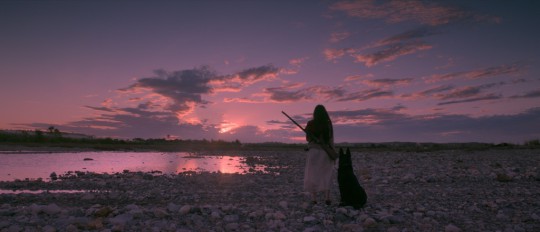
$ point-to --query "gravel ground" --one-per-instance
(492, 190)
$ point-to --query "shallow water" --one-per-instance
(40, 165)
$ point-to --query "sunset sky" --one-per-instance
(415, 71)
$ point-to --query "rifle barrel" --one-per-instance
(304, 130)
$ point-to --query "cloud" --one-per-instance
(531, 94)
(505, 69)
(413, 34)
(388, 49)
(366, 116)
(284, 94)
(103, 108)
(391, 53)
(366, 95)
(464, 92)
(162, 104)
(137, 122)
(358, 77)
(339, 36)
(434, 90)
(395, 11)
(386, 125)
(242, 100)
(387, 82)
(296, 63)
(237, 81)
(449, 92)
(475, 99)
(333, 54)
(181, 91)
(467, 91)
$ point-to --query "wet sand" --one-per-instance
(491, 190)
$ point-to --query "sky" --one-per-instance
(409, 71)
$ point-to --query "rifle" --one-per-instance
(332, 154)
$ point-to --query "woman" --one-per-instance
(319, 167)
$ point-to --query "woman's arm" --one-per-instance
(309, 129)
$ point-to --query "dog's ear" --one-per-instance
(341, 151)
(348, 151)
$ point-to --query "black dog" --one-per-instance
(350, 190)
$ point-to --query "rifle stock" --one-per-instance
(332, 154)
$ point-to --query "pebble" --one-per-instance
(369, 222)
(451, 228)
(185, 209)
(160, 213)
(309, 219)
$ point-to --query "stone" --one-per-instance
(283, 205)
(51, 209)
(160, 213)
(171, 207)
(185, 209)
(88, 196)
(48, 228)
(369, 222)
(352, 227)
(451, 228)
(231, 218)
(103, 211)
(215, 215)
(232, 226)
(309, 219)
(72, 228)
(121, 219)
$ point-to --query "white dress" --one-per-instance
(319, 170)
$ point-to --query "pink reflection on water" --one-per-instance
(41, 165)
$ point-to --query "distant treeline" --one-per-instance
(54, 138)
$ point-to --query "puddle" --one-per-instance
(36, 165)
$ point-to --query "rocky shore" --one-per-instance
(491, 190)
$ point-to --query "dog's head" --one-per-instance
(345, 157)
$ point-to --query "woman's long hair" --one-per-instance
(322, 119)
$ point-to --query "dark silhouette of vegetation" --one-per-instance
(55, 138)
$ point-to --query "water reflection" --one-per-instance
(19, 191)
(41, 165)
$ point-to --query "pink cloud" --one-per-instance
(284, 94)
(475, 99)
(339, 36)
(358, 77)
(333, 54)
(505, 69)
(531, 94)
(391, 53)
(366, 95)
(387, 82)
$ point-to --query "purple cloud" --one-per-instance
(388, 82)
(413, 34)
(475, 99)
(185, 89)
(391, 53)
(511, 69)
(531, 94)
(283, 94)
(366, 95)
